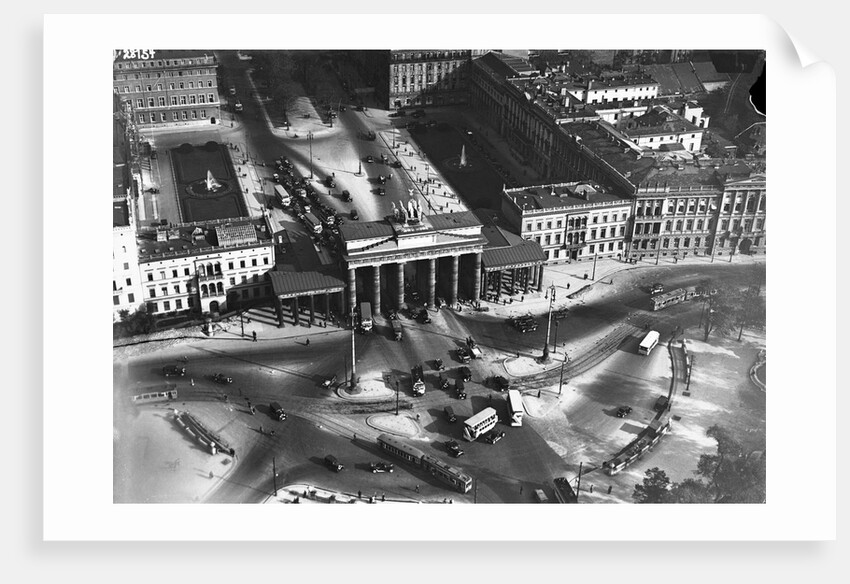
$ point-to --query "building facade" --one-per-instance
(428, 77)
(570, 221)
(207, 268)
(127, 292)
(741, 216)
(167, 88)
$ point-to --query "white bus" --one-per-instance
(648, 343)
(480, 423)
(515, 409)
(283, 196)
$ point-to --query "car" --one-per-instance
(174, 371)
(332, 463)
(354, 215)
(223, 379)
(329, 381)
(500, 383)
(342, 108)
(494, 436)
(396, 164)
(330, 182)
(657, 288)
(438, 365)
(465, 373)
(453, 448)
(381, 467)
(346, 196)
(370, 159)
(440, 302)
(382, 191)
(382, 179)
(424, 317)
(623, 411)
(463, 355)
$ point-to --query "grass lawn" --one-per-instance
(191, 165)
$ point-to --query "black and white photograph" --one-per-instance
(439, 276)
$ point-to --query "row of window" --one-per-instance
(116, 300)
(192, 99)
(206, 269)
(574, 222)
(665, 243)
(211, 288)
(190, 73)
(175, 116)
(190, 301)
(159, 87)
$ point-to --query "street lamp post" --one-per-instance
(555, 341)
(310, 141)
(396, 397)
(593, 276)
(242, 323)
(353, 365)
(561, 382)
(551, 294)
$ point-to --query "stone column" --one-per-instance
(499, 284)
(525, 275)
(312, 310)
(278, 308)
(327, 307)
(476, 277)
(540, 278)
(432, 282)
(295, 313)
(513, 281)
(352, 292)
(400, 285)
(376, 289)
(453, 281)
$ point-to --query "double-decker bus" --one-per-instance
(480, 423)
(459, 480)
(515, 409)
(648, 343)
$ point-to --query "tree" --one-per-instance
(690, 491)
(751, 311)
(733, 476)
(722, 311)
(655, 487)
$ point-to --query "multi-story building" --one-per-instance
(127, 292)
(209, 267)
(167, 88)
(428, 77)
(741, 216)
(663, 128)
(616, 89)
(571, 221)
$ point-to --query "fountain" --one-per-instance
(460, 163)
(212, 184)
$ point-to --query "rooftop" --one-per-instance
(156, 55)
(201, 237)
(120, 214)
(563, 195)
(293, 283)
(505, 249)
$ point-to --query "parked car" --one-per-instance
(465, 373)
(381, 467)
(494, 436)
(174, 371)
(424, 317)
(354, 215)
(346, 196)
(463, 355)
(330, 182)
(623, 411)
(454, 448)
(370, 159)
(657, 288)
(382, 191)
(221, 378)
(332, 463)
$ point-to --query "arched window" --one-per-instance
(204, 290)
(668, 226)
(220, 288)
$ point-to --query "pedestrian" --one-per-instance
(591, 488)
(609, 489)
(538, 393)
(307, 343)
(417, 416)
(522, 299)
(255, 336)
(272, 432)
(417, 488)
(192, 381)
(568, 285)
(383, 497)
(359, 494)
(261, 430)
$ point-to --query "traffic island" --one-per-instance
(400, 425)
